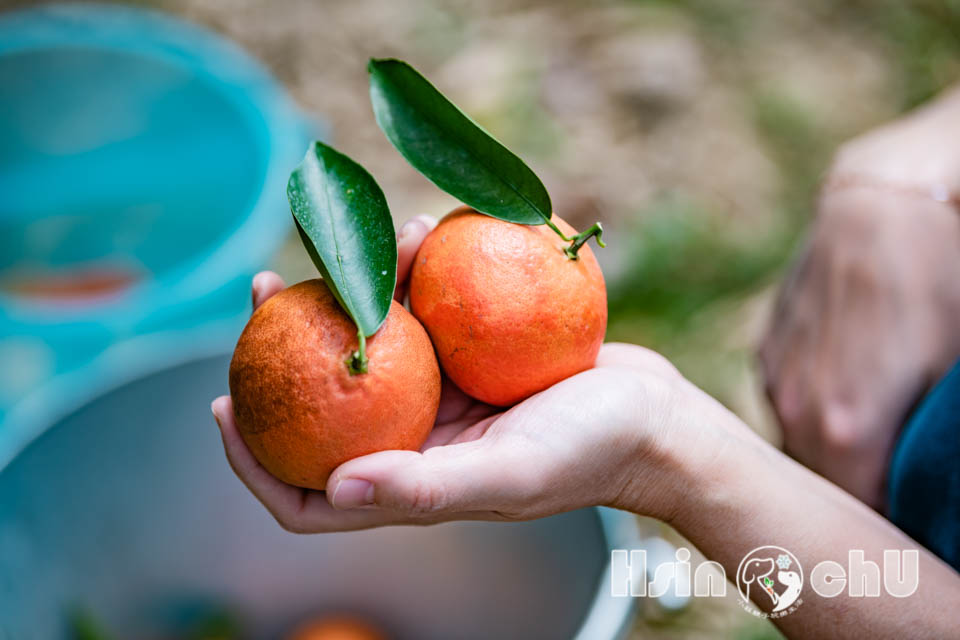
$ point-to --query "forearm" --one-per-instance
(738, 493)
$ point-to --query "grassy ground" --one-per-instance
(696, 130)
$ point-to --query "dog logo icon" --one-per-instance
(770, 575)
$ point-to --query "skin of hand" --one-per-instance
(532, 460)
(630, 433)
(868, 319)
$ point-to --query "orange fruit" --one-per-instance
(508, 312)
(338, 628)
(297, 406)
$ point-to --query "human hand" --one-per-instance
(868, 318)
(607, 436)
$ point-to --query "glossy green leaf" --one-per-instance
(452, 150)
(345, 225)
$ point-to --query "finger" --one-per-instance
(440, 482)
(281, 499)
(317, 516)
(859, 424)
(793, 404)
(795, 395)
(455, 404)
(797, 354)
(443, 434)
(301, 510)
(476, 430)
(863, 387)
(854, 462)
(795, 293)
(265, 284)
(462, 430)
(409, 239)
(788, 355)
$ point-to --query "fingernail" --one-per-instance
(408, 227)
(255, 288)
(352, 493)
(213, 410)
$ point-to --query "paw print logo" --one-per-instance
(784, 561)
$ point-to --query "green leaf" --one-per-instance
(345, 225)
(452, 150)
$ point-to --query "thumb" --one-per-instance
(447, 479)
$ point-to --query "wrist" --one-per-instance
(696, 457)
(919, 153)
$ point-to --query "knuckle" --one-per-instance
(426, 498)
(289, 523)
(536, 484)
(512, 515)
(657, 386)
(642, 358)
(841, 428)
(654, 361)
(662, 365)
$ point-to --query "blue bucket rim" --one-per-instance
(243, 80)
(247, 245)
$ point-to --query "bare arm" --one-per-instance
(732, 493)
(630, 433)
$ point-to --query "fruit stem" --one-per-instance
(581, 239)
(357, 362)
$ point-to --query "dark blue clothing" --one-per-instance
(924, 481)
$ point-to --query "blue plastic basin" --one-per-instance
(136, 145)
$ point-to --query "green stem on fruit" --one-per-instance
(357, 362)
(581, 239)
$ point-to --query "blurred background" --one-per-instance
(696, 130)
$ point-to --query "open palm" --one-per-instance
(564, 448)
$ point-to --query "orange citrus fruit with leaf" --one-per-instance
(298, 407)
(509, 313)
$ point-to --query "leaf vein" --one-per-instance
(465, 145)
(345, 291)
